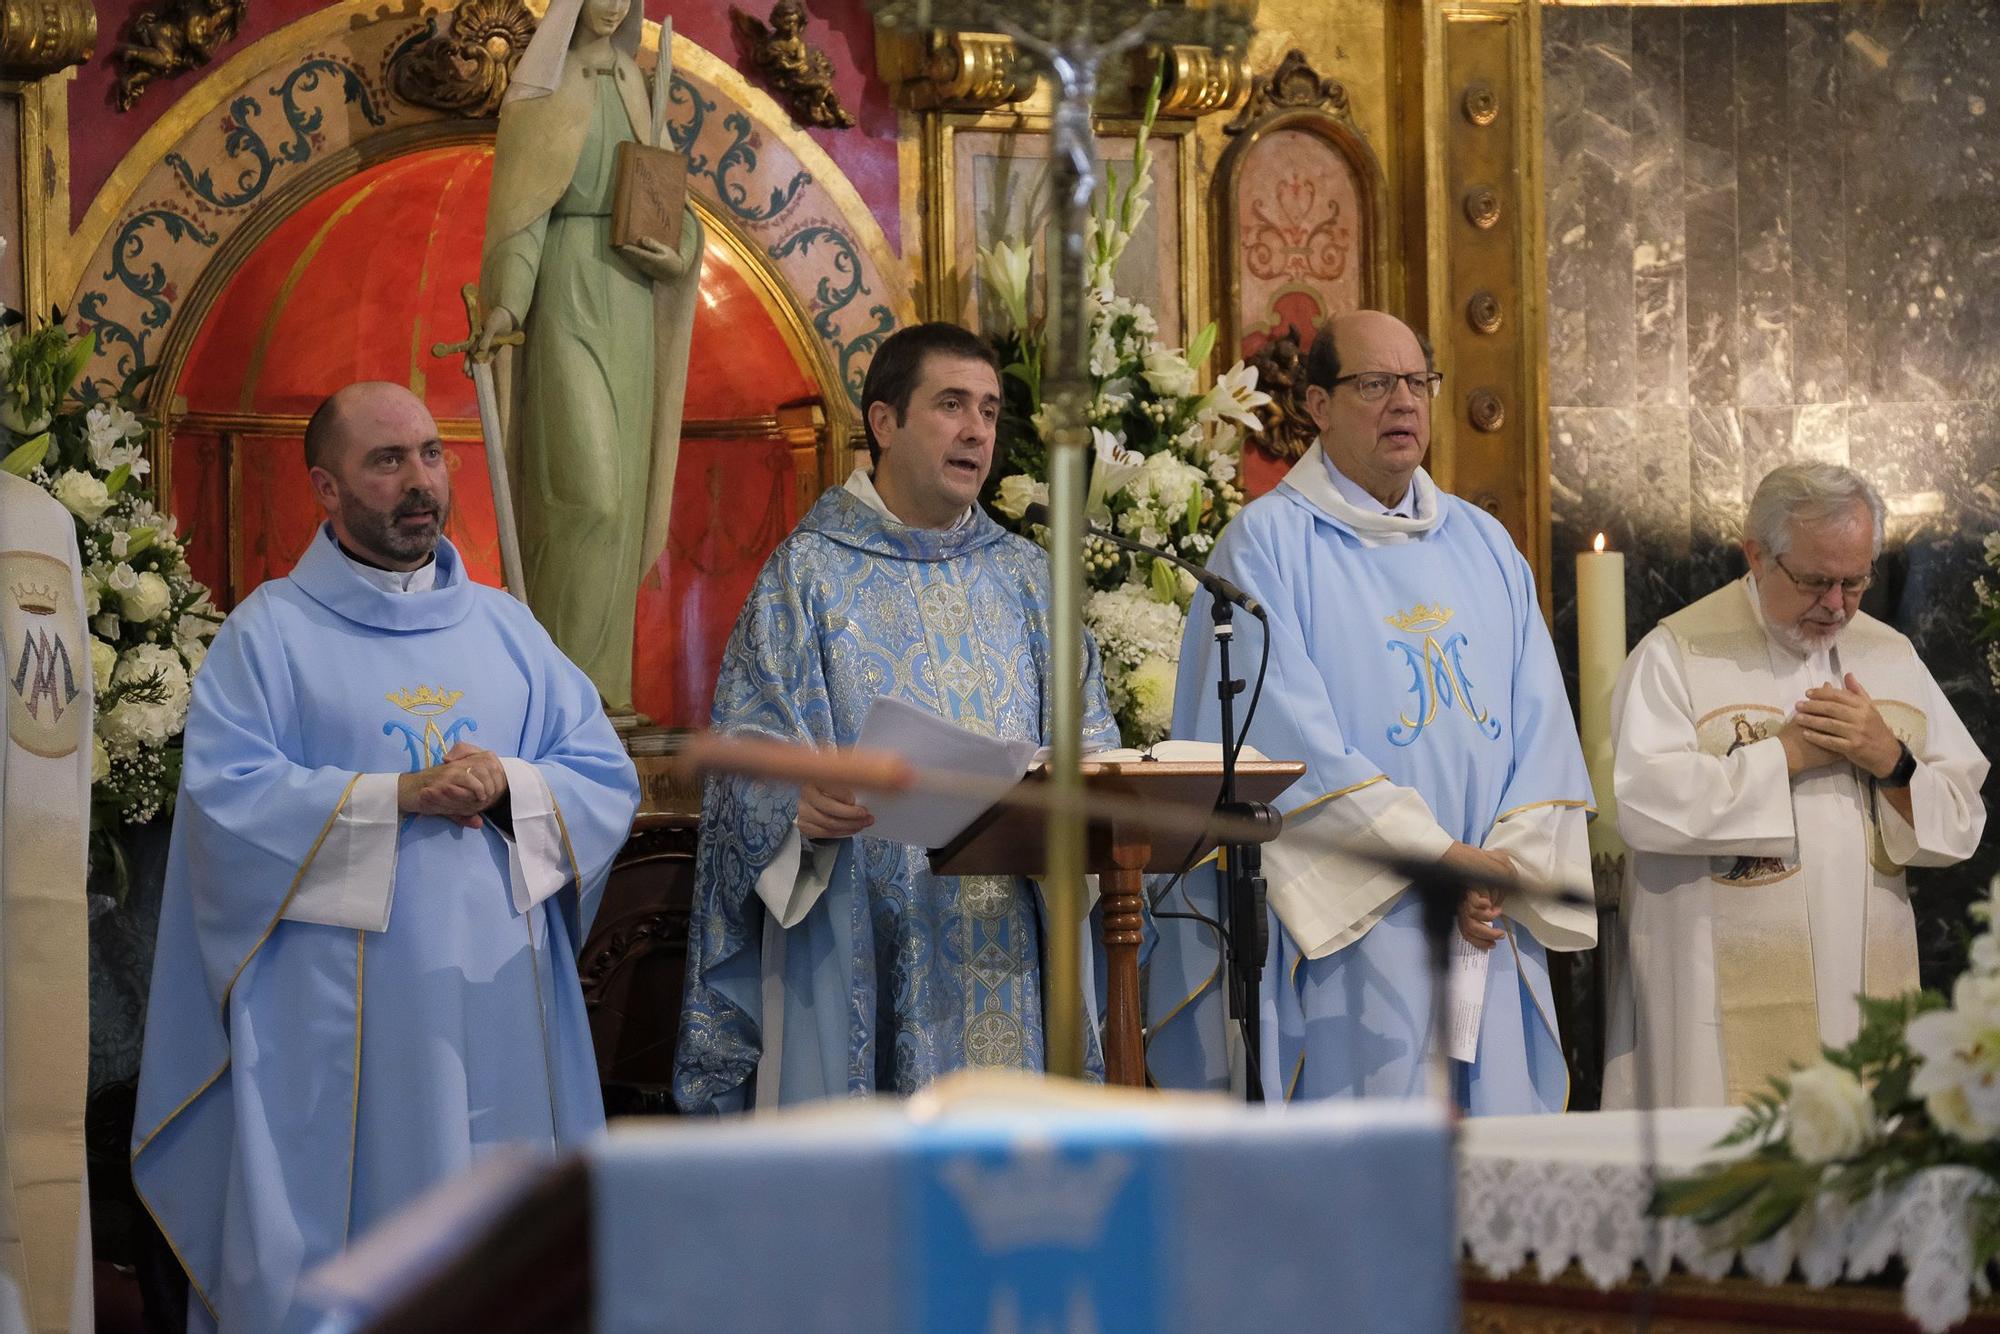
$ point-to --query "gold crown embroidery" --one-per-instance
(1420, 619)
(34, 597)
(425, 700)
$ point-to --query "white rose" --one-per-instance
(1830, 1114)
(100, 761)
(103, 658)
(1017, 492)
(148, 722)
(93, 598)
(82, 495)
(1168, 373)
(147, 599)
(104, 625)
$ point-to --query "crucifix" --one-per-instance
(1071, 41)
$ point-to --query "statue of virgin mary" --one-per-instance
(594, 395)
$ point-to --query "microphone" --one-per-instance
(1217, 586)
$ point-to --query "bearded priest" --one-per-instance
(398, 808)
(1781, 758)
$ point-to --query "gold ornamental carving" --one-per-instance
(462, 65)
(1482, 312)
(1480, 104)
(1482, 207)
(1289, 430)
(954, 71)
(1197, 80)
(178, 36)
(1485, 411)
(39, 37)
(1294, 85)
(801, 75)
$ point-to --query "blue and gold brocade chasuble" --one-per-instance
(1421, 661)
(894, 976)
(302, 1081)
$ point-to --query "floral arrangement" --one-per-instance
(1986, 614)
(1919, 1087)
(1163, 466)
(150, 620)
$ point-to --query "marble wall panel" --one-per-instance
(1813, 272)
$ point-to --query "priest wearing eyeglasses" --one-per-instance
(1781, 758)
(1411, 670)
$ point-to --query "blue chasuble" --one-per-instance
(301, 1082)
(1425, 662)
(895, 975)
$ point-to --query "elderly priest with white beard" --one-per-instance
(1781, 758)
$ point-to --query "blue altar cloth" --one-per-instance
(1337, 1216)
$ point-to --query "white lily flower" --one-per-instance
(1236, 397)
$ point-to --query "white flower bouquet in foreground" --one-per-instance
(1164, 456)
(150, 620)
(1918, 1088)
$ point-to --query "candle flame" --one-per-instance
(1598, 545)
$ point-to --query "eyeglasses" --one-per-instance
(1818, 587)
(1374, 386)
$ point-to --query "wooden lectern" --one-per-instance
(1011, 840)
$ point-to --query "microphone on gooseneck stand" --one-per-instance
(1245, 925)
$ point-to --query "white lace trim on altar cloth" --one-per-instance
(1571, 1190)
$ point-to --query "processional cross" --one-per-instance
(1071, 41)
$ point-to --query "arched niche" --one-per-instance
(311, 229)
(311, 105)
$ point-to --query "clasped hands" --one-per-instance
(1832, 723)
(464, 785)
(1479, 910)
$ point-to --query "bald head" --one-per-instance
(378, 470)
(1374, 425)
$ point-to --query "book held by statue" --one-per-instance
(648, 192)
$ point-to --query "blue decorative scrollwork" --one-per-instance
(239, 138)
(305, 121)
(830, 300)
(149, 284)
(741, 154)
(682, 134)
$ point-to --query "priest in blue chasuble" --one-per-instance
(398, 807)
(823, 962)
(1411, 670)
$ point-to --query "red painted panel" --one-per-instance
(329, 298)
(734, 500)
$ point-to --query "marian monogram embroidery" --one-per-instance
(430, 703)
(42, 655)
(1437, 674)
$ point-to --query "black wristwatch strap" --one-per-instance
(1905, 770)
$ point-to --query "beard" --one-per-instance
(1809, 637)
(380, 534)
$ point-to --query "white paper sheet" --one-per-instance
(1465, 991)
(930, 819)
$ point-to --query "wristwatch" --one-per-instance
(1905, 770)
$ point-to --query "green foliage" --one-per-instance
(1752, 1196)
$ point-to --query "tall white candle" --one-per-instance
(1600, 653)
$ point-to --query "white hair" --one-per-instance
(1804, 494)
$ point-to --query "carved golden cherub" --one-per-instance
(801, 74)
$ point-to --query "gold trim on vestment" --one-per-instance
(1547, 1022)
(354, 1106)
(209, 1083)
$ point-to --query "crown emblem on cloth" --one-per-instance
(33, 595)
(1420, 619)
(425, 699)
(1038, 1199)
